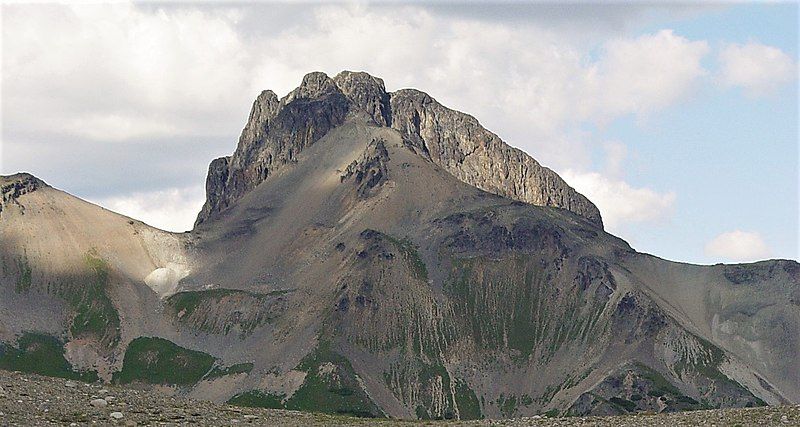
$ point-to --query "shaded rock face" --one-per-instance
(273, 136)
(278, 130)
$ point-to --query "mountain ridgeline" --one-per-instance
(377, 254)
(278, 130)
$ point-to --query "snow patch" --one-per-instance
(164, 280)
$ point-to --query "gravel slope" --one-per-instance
(36, 400)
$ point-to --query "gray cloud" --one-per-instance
(110, 100)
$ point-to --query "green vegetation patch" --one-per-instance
(192, 307)
(95, 314)
(507, 405)
(469, 407)
(660, 385)
(624, 404)
(422, 413)
(331, 386)
(159, 361)
(511, 306)
(707, 365)
(408, 250)
(552, 413)
(258, 399)
(24, 278)
(40, 354)
(239, 368)
(188, 301)
(427, 382)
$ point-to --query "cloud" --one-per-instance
(616, 154)
(95, 85)
(619, 202)
(533, 84)
(643, 74)
(740, 246)
(757, 68)
(172, 209)
(117, 72)
(120, 71)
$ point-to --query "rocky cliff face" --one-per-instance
(278, 130)
(457, 142)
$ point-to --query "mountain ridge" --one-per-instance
(449, 138)
(374, 280)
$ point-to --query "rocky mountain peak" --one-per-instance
(314, 85)
(14, 186)
(20, 183)
(266, 103)
(264, 108)
(21, 177)
(368, 93)
(277, 130)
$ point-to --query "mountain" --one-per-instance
(278, 130)
(378, 254)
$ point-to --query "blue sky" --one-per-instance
(731, 158)
(680, 121)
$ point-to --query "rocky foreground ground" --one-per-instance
(35, 400)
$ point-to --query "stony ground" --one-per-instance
(34, 400)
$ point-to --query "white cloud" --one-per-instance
(643, 74)
(172, 209)
(113, 73)
(532, 84)
(116, 71)
(117, 127)
(738, 246)
(757, 68)
(619, 202)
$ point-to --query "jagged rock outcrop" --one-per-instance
(13, 186)
(278, 130)
(368, 93)
(273, 136)
(370, 170)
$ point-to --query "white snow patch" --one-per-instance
(164, 280)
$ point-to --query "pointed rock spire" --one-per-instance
(367, 93)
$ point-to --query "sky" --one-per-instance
(680, 121)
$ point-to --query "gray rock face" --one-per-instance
(274, 134)
(278, 130)
(216, 186)
(371, 170)
(368, 93)
(458, 143)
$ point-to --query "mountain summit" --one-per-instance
(278, 130)
(378, 254)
